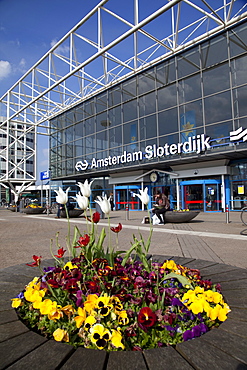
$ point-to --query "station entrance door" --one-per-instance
(124, 195)
(201, 195)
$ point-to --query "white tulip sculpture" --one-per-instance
(85, 188)
(62, 197)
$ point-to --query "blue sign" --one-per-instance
(45, 175)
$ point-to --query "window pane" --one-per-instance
(166, 73)
(101, 140)
(89, 108)
(188, 63)
(147, 104)
(148, 127)
(89, 144)
(129, 89)
(115, 96)
(101, 121)
(115, 136)
(115, 116)
(216, 79)
(146, 82)
(101, 103)
(78, 148)
(189, 89)
(130, 110)
(214, 51)
(130, 133)
(240, 101)
(168, 121)
(167, 97)
(238, 40)
(239, 71)
(218, 108)
(191, 115)
(88, 126)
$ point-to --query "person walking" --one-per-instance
(161, 206)
(112, 201)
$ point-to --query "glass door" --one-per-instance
(124, 195)
(212, 197)
(193, 197)
(201, 195)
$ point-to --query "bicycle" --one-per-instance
(243, 215)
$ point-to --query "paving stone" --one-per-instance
(200, 264)
(15, 348)
(229, 343)
(236, 327)
(49, 356)
(239, 314)
(203, 355)
(130, 360)
(231, 275)
(236, 298)
(8, 316)
(89, 359)
(234, 285)
(165, 358)
(12, 329)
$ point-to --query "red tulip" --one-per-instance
(96, 217)
(60, 253)
(83, 241)
(36, 262)
(117, 229)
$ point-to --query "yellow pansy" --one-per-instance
(16, 302)
(197, 306)
(70, 266)
(89, 322)
(33, 295)
(100, 335)
(169, 264)
(90, 303)
(47, 306)
(68, 310)
(81, 317)
(123, 317)
(60, 334)
(116, 339)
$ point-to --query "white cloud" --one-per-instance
(22, 66)
(61, 49)
(5, 69)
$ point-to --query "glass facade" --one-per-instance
(202, 90)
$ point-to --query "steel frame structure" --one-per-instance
(89, 58)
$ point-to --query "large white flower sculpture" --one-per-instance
(62, 197)
(143, 196)
(85, 188)
(104, 204)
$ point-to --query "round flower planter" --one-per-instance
(33, 211)
(12, 209)
(72, 213)
(178, 217)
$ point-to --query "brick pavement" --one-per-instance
(207, 237)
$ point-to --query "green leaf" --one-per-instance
(182, 279)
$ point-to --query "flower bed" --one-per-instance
(111, 300)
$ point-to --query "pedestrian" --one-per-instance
(161, 206)
(112, 201)
(59, 209)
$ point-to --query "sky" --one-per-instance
(28, 29)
